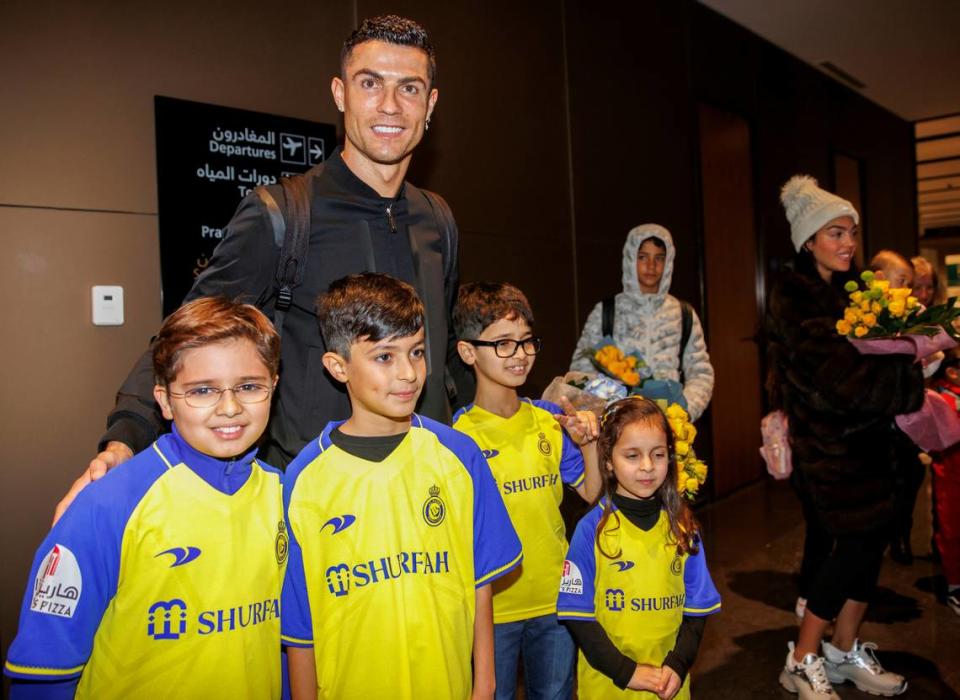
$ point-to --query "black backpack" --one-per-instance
(686, 324)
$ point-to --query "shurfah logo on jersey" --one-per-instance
(167, 619)
(614, 599)
(58, 585)
(342, 578)
(281, 543)
(544, 445)
(434, 509)
(572, 580)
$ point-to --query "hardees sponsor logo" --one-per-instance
(58, 584)
(572, 580)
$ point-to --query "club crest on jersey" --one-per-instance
(181, 555)
(676, 566)
(281, 543)
(58, 584)
(572, 579)
(544, 445)
(434, 509)
(167, 619)
(614, 599)
(623, 565)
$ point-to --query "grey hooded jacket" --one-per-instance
(651, 325)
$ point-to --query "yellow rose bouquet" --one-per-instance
(691, 471)
(879, 312)
(885, 321)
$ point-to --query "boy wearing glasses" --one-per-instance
(531, 458)
(163, 578)
(396, 525)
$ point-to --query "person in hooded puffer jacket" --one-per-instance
(649, 321)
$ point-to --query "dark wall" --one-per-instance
(800, 118)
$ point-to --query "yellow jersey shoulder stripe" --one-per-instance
(496, 572)
(43, 670)
(295, 640)
(579, 481)
(702, 611)
(576, 614)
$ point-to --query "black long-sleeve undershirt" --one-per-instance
(596, 644)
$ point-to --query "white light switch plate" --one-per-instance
(107, 306)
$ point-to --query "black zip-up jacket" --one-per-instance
(353, 229)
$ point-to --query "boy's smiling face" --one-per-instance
(384, 379)
(510, 372)
(228, 428)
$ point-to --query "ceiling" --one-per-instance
(902, 55)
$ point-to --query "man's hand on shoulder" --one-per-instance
(115, 454)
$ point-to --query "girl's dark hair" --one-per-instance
(684, 528)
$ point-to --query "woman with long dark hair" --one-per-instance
(840, 406)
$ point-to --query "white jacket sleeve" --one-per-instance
(590, 336)
(697, 371)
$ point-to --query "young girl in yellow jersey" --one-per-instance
(635, 589)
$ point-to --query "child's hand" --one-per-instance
(583, 427)
(646, 677)
(669, 683)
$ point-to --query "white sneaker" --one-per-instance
(860, 665)
(806, 677)
(800, 608)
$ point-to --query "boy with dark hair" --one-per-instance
(396, 525)
(162, 579)
(531, 458)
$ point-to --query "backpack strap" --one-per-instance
(609, 310)
(291, 233)
(686, 326)
(448, 229)
(448, 246)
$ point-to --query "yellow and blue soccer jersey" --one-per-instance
(162, 580)
(385, 558)
(639, 598)
(531, 457)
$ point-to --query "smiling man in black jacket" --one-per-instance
(363, 217)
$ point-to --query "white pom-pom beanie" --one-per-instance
(810, 208)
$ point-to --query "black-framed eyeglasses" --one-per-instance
(508, 346)
(209, 396)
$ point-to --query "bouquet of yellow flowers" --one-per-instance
(885, 321)
(880, 311)
(630, 369)
(691, 471)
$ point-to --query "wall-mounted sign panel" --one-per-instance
(208, 158)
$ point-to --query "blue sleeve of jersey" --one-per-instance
(39, 690)
(296, 626)
(577, 583)
(571, 458)
(702, 597)
(496, 547)
(72, 581)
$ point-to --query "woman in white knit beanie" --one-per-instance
(840, 407)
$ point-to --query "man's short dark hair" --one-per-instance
(369, 306)
(393, 30)
(481, 304)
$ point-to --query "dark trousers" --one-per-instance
(850, 572)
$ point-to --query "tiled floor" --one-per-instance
(753, 541)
